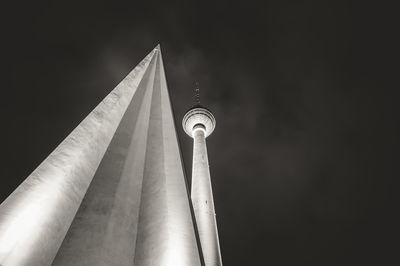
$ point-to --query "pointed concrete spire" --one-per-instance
(113, 192)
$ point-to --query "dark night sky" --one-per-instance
(301, 158)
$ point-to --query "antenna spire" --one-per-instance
(196, 93)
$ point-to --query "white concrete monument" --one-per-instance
(114, 191)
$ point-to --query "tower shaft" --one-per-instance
(203, 202)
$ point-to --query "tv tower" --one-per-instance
(199, 123)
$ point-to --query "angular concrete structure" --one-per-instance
(113, 192)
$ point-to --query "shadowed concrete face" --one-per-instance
(115, 188)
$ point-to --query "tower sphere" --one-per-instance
(198, 117)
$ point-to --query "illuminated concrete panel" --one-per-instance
(166, 234)
(105, 227)
(36, 216)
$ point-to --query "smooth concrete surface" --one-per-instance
(166, 233)
(113, 192)
(35, 218)
(104, 229)
(202, 200)
(136, 210)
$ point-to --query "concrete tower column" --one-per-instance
(199, 123)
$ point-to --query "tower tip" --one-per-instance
(196, 98)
